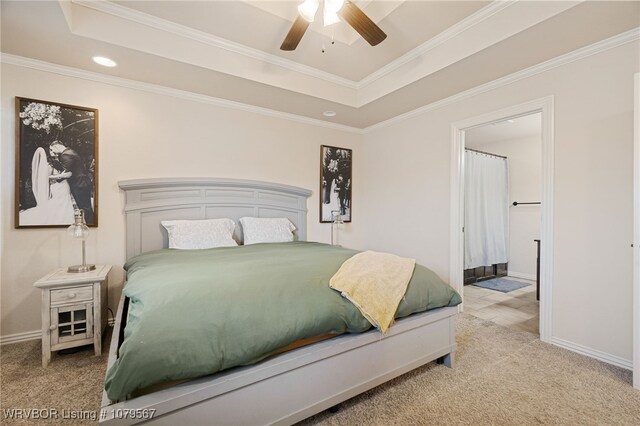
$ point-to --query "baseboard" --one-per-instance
(21, 337)
(593, 353)
(30, 335)
(521, 275)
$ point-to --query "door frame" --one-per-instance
(636, 231)
(544, 106)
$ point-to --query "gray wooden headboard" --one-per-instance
(149, 201)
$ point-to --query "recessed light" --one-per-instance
(105, 62)
(510, 121)
(329, 113)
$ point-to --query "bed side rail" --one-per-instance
(116, 339)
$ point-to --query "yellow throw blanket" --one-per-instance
(375, 283)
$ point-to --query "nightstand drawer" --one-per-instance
(72, 295)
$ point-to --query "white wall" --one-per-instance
(406, 166)
(401, 182)
(146, 135)
(525, 168)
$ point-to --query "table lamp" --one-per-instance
(336, 221)
(80, 231)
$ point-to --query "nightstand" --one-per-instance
(74, 309)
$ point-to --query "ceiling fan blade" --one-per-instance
(360, 22)
(295, 34)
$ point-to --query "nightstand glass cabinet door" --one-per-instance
(69, 323)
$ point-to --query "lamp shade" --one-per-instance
(336, 221)
(330, 17)
(80, 231)
(333, 5)
(336, 217)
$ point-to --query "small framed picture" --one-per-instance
(335, 184)
(56, 163)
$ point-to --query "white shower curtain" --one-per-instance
(486, 214)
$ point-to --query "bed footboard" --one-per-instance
(295, 385)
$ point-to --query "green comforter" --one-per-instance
(196, 312)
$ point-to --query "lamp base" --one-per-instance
(81, 268)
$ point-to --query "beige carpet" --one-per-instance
(502, 377)
(71, 382)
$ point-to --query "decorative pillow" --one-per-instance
(200, 234)
(266, 230)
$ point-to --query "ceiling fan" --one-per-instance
(332, 11)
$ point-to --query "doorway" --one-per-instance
(502, 221)
(543, 107)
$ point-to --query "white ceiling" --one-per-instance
(230, 49)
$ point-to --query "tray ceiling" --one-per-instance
(230, 49)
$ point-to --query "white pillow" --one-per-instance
(266, 230)
(200, 234)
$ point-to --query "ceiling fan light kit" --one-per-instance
(308, 9)
(334, 5)
(333, 10)
(330, 17)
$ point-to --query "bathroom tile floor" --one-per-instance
(517, 309)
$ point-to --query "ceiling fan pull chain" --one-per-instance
(333, 33)
(323, 48)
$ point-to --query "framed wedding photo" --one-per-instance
(56, 164)
(335, 184)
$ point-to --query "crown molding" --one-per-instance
(584, 52)
(203, 37)
(36, 64)
(601, 46)
(498, 22)
(308, 80)
(456, 29)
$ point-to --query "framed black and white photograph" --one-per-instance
(56, 163)
(335, 184)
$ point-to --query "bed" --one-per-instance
(283, 388)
